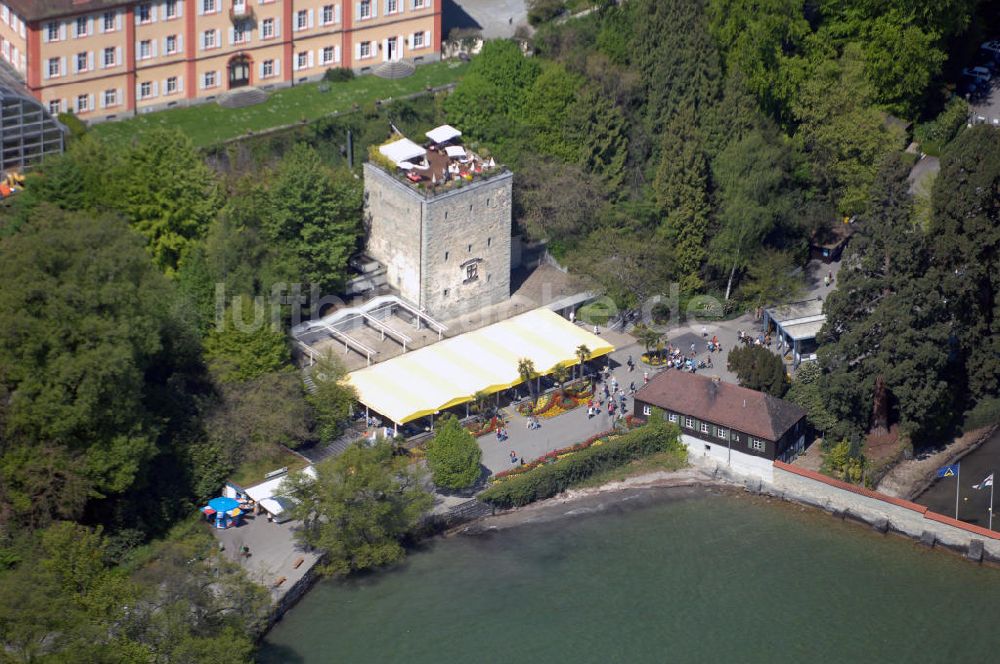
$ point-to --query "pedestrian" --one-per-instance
(572, 317)
(522, 461)
(631, 387)
(499, 440)
(597, 330)
(606, 391)
(692, 348)
(704, 331)
(631, 364)
(645, 377)
(830, 276)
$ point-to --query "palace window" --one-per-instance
(145, 90)
(328, 54)
(267, 28)
(145, 13)
(81, 62)
(208, 38)
(55, 106)
(171, 85)
(171, 44)
(81, 26)
(110, 98)
(328, 14)
(82, 104)
(472, 271)
(52, 31)
(366, 9)
(420, 4)
(110, 24)
(145, 49)
(418, 42)
(208, 6)
(53, 67)
(365, 51)
(109, 57)
(267, 69)
(302, 60)
(391, 6)
(210, 79)
(302, 19)
(170, 8)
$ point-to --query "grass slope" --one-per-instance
(207, 124)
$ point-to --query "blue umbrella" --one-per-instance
(223, 504)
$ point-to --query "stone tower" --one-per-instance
(441, 227)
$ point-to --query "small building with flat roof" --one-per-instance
(796, 325)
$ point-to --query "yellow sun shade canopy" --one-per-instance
(451, 372)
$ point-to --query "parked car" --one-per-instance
(977, 74)
(991, 49)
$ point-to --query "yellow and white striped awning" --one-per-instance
(451, 372)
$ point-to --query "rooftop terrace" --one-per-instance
(441, 163)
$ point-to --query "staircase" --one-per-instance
(242, 98)
(395, 69)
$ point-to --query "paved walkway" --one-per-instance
(273, 553)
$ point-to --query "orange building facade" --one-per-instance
(107, 59)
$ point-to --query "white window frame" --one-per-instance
(757, 444)
(267, 28)
(166, 86)
(145, 90)
(167, 6)
(210, 6)
(362, 46)
(241, 33)
(369, 4)
(84, 21)
(704, 427)
(673, 417)
(109, 21)
(113, 98)
(421, 4)
(328, 50)
(328, 15)
(392, 7)
(57, 103)
(302, 60)
(214, 75)
(58, 69)
(208, 37)
(167, 50)
(81, 62)
(419, 35)
(647, 410)
(52, 31)
(722, 433)
(85, 106)
(145, 50)
(688, 423)
(147, 8)
(267, 68)
(302, 20)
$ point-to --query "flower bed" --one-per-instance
(654, 360)
(551, 405)
(479, 428)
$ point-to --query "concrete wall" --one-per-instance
(463, 226)
(713, 455)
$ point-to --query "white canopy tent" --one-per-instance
(403, 150)
(456, 152)
(451, 372)
(443, 134)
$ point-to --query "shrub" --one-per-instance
(937, 133)
(540, 11)
(551, 479)
(76, 126)
(596, 313)
(454, 456)
(338, 75)
(985, 413)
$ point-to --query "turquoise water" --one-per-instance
(704, 577)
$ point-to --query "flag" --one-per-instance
(985, 483)
(948, 471)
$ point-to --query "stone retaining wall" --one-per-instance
(881, 511)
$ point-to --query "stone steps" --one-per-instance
(395, 69)
(243, 97)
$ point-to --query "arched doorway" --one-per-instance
(239, 71)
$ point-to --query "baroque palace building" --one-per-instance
(105, 59)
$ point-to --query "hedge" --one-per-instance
(554, 478)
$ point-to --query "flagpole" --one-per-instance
(991, 499)
(958, 483)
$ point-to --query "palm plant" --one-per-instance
(526, 369)
(583, 354)
(648, 337)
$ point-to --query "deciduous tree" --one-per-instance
(453, 456)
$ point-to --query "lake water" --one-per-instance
(672, 575)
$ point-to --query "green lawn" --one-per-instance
(251, 473)
(206, 124)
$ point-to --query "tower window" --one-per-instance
(446, 292)
(489, 241)
(446, 255)
(470, 248)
